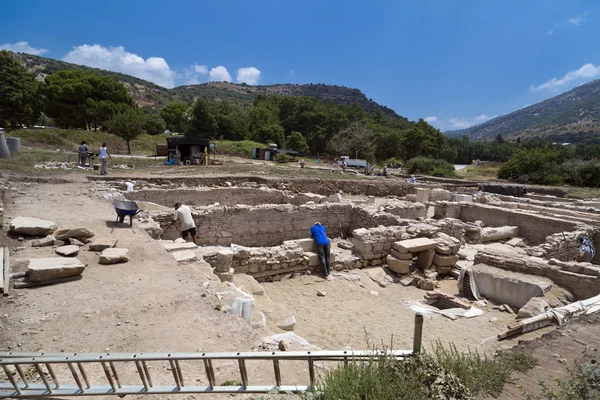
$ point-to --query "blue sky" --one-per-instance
(455, 62)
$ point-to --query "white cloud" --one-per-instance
(220, 74)
(249, 75)
(22, 47)
(578, 20)
(431, 119)
(464, 123)
(201, 69)
(587, 71)
(575, 21)
(153, 69)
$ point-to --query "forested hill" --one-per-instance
(572, 116)
(148, 94)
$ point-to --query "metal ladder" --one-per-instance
(22, 369)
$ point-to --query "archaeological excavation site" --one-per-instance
(103, 295)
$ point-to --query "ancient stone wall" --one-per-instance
(224, 196)
(265, 225)
(561, 246)
(270, 225)
(583, 283)
(534, 228)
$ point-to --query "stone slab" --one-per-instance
(464, 198)
(79, 233)
(397, 265)
(507, 287)
(248, 284)
(516, 242)
(49, 269)
(425, 259)
(307, 244)
(45, 242)
(535, 306)
(415, 245)
(114, 256)
(445, 260)
(67, 251)
(103, 243)
(170, 247)
(184, 256)
(32, 226)
(401, 256)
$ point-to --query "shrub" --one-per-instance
(443, 373)
(430, 166)
(283, 158)
(537, 165)
(582, 173)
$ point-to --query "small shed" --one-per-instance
(189, 151)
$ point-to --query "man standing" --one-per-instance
(188, 226)
(319, 233)
(103, 155)
(83, 150)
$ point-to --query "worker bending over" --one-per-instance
(188, 226)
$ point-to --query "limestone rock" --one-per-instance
(335, 198)
(407, 281)
(397, 265)
(401, 256)
(184, 256)
(446, 243)
(152, 227)
(179, 240)
(77, 233)
(171, 247)
(516, 242)
(75, 242)
(415, 245)
(444, 261)
(32, 226)
(425, 258)
(248, 284)
(67, 251)
(535, 306)
(47, 241)
(498, 233)
(223, 261)
(114, 256)
(103, 243)
(427, 284)
(226, 276)
(48, 269)
(258, 320)
(443, 270)
(288, 324)
(321, 293)
(379, 276)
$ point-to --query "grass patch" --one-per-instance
(442, 373)
(484, 171)
(430, 166)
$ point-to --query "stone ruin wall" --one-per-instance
(224, 196)
(581, 279)
(563, 246)
(534, 228)
(270, 225)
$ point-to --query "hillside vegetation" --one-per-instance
(572, 116)
(148, 94)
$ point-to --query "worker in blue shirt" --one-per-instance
(319, 233)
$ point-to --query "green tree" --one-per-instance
(81, 99)
(265, 126)
(296, 141)
(231, 122)
(19, 94)
(176, 116)
(203, 123)
(423, 140)
(128, 125)
(355, 141)
(154, 125)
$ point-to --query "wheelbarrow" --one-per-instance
(124, 209)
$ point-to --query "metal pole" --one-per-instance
(418, 335)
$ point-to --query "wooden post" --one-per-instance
(418, 335)
(6, 272)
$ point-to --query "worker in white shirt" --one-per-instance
(188, 226)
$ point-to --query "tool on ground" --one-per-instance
(124, 209)
(340, 223)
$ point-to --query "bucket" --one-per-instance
(14, 144)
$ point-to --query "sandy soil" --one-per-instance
(348, 314)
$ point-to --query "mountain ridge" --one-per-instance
(148, 94)
(574, 114)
